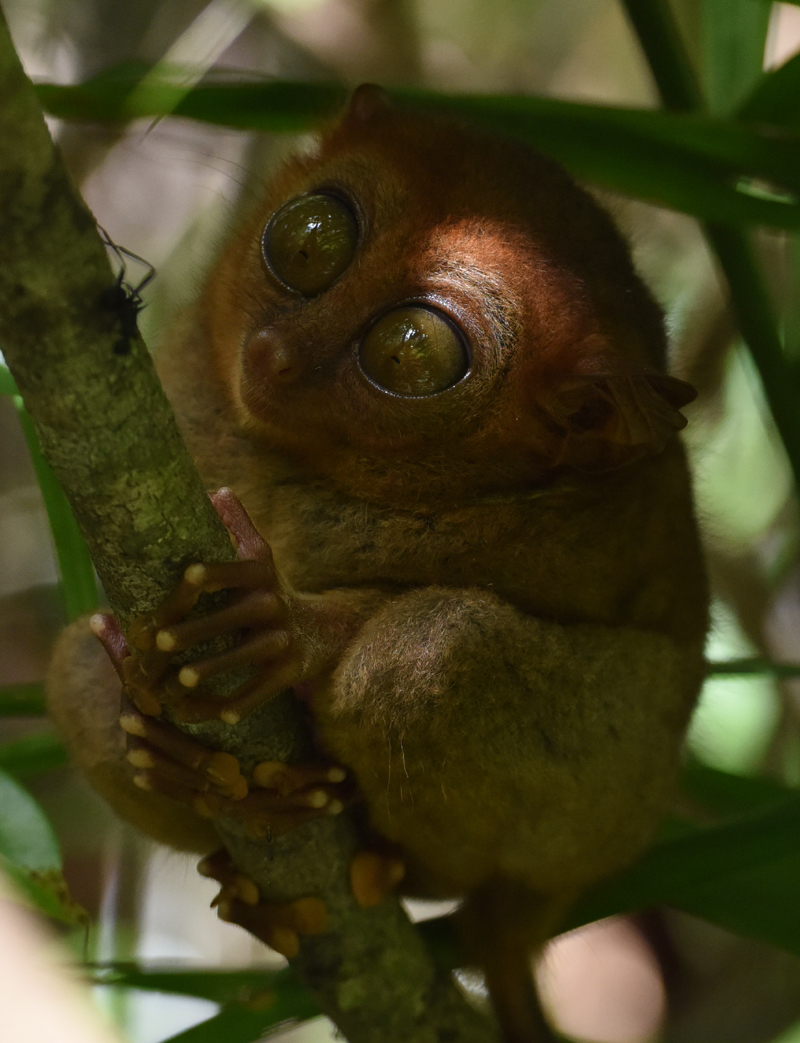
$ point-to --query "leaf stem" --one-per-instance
(661, 42)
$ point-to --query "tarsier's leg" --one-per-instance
(512, 759)
(487, 741)
(372, 874)
(239, 902)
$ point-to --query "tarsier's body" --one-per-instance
(505, 562)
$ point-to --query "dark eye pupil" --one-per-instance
(309, 242)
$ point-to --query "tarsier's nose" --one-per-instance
(272, 358)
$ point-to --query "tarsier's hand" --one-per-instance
(278, 640)
(276, 629)
(277, 798)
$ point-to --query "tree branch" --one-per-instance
(109, 434)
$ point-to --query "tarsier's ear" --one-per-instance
(612, 419)
(365, 102)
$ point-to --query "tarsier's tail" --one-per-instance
(503, 924)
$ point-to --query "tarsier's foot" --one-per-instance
(257, 614)
(279, 797)
(372, 876)
(239, 901)
(287, 796)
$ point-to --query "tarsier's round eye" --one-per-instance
(414, 350)
(309, 242)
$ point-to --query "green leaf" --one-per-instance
(26, 836)
(658, 34)
(749, 297)
(222, 987)
(762, 902)
(734, 34)
(30, 856)
(724, 794)
(753, 309)
(704, 166)
(791, 1035)
(78, 584)
(774, 98)
(32, 754)
(734, 875)
(47, 892)
(7, 384)
(714, 169)
(135, 90)
(233, 1025)
(254, 1001)
(733, 667)
(21, 700)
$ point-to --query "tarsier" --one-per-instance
(426, 368)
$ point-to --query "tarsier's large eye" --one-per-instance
(414, 350)
(309, 242)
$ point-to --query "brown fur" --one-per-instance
(518, 554)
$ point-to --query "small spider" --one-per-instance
(123, 299)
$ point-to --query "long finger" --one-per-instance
(249, 541)
(256, 650)
(105, 628)
(254, 609)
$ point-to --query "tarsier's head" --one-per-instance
(419, 302)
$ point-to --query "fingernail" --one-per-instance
(189, 677)
(268, 774)
(132, 725)
(97, 624)
(141, 759)
(165, 640)
(337, 775)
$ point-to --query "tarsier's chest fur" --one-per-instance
(565, 553)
